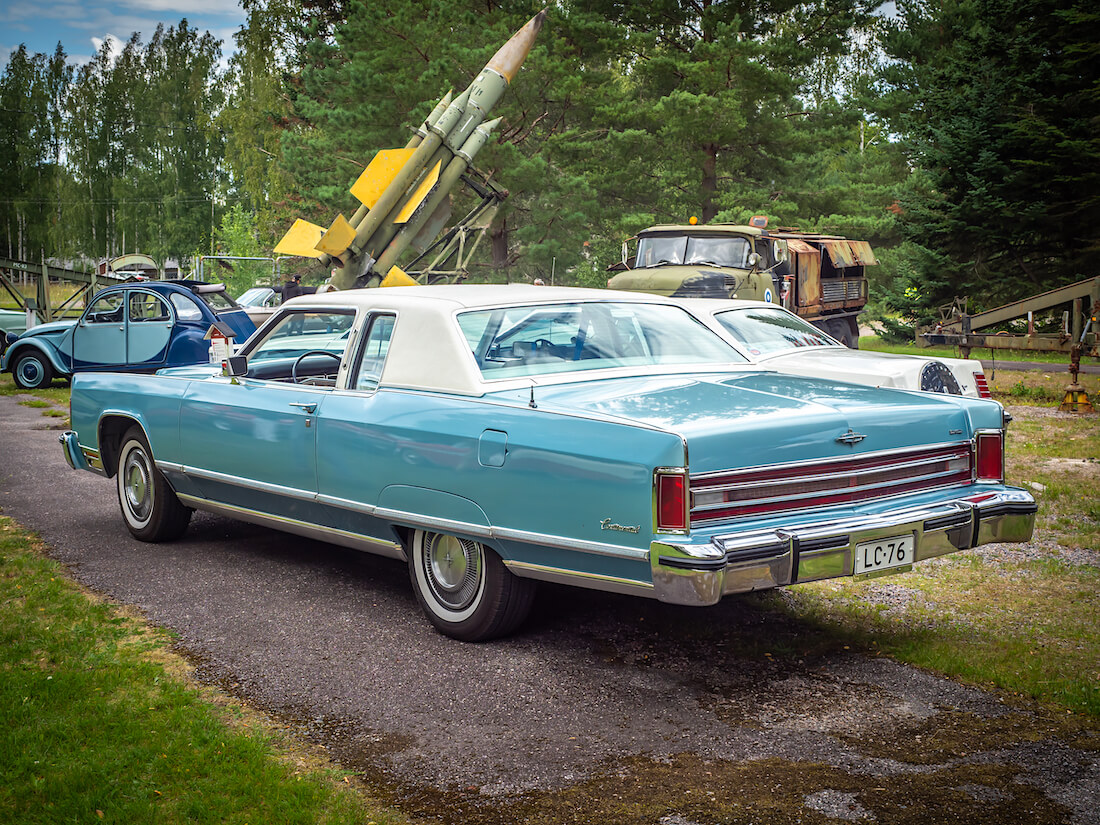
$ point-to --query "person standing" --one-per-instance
(292, 288)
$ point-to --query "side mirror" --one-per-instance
(626, 255)
(237, 365)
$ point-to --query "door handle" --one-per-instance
(308, 406)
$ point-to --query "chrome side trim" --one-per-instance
(332, 535)
(430, 522)
(416, 519)
(593, 581)
(237, 481)
(597, 548)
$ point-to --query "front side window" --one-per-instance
(538, 340)
(304, 331)
(145, 306)
(106, 309)
(767, 331)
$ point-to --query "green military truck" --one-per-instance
(819, 277)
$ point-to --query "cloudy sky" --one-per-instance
(82, 26)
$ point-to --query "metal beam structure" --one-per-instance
(1079, 327)
(41, 273)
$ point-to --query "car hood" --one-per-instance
(767, 418)
(52, 328)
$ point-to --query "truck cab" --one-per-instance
(819, 277)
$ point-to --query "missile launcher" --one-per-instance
(405, 193)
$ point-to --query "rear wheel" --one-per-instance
(465, 589)
(149, 505)
(32, 371)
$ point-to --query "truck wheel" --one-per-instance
(853, 330)
(32, 371)
(845, 330)
(464, 588)
(149, 505)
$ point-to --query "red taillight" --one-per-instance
(982, 385)
(989, 461)
(672, 510)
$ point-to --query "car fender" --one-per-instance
(50, 353)
(188, 345)
(110, 428)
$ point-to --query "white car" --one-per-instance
(778, 339)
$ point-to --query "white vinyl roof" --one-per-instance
(428, 350)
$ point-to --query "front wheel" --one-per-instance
(149, 505)
(465, 589)
(32, 371)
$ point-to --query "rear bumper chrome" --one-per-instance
(701, 574)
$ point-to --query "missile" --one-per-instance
(405, 192)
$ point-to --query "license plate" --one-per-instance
(883, 556)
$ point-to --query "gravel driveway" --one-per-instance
(603, 709)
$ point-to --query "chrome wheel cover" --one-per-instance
(137, 485)
(453, 570)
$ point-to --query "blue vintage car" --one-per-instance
(139, 326)
(492, 437)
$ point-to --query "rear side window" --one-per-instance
(187, 308)
(372, 355)
(145, 306)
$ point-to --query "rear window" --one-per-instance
(553, 338)
(766, 331)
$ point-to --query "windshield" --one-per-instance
(716, 250)
(541, 340)
(256, 297)
(766, 331)
(304, 331)
(218, 301)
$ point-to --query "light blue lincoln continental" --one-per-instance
(496, 436)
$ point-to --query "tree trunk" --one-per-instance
(709, 183)
(499, 236)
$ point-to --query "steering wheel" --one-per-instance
(543, 343)
(305, 355)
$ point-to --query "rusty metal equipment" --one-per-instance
(1078, 337)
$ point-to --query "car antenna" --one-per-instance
(532, 403)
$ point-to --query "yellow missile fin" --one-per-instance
(301, 239)
(382, 169)
(418, 196)
(337, 238)
(398, 277)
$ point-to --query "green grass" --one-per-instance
(57, 394)
(1027, 623)
(102, 724)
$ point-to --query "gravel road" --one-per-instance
(603, 709)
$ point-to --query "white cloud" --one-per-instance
(114, 45)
